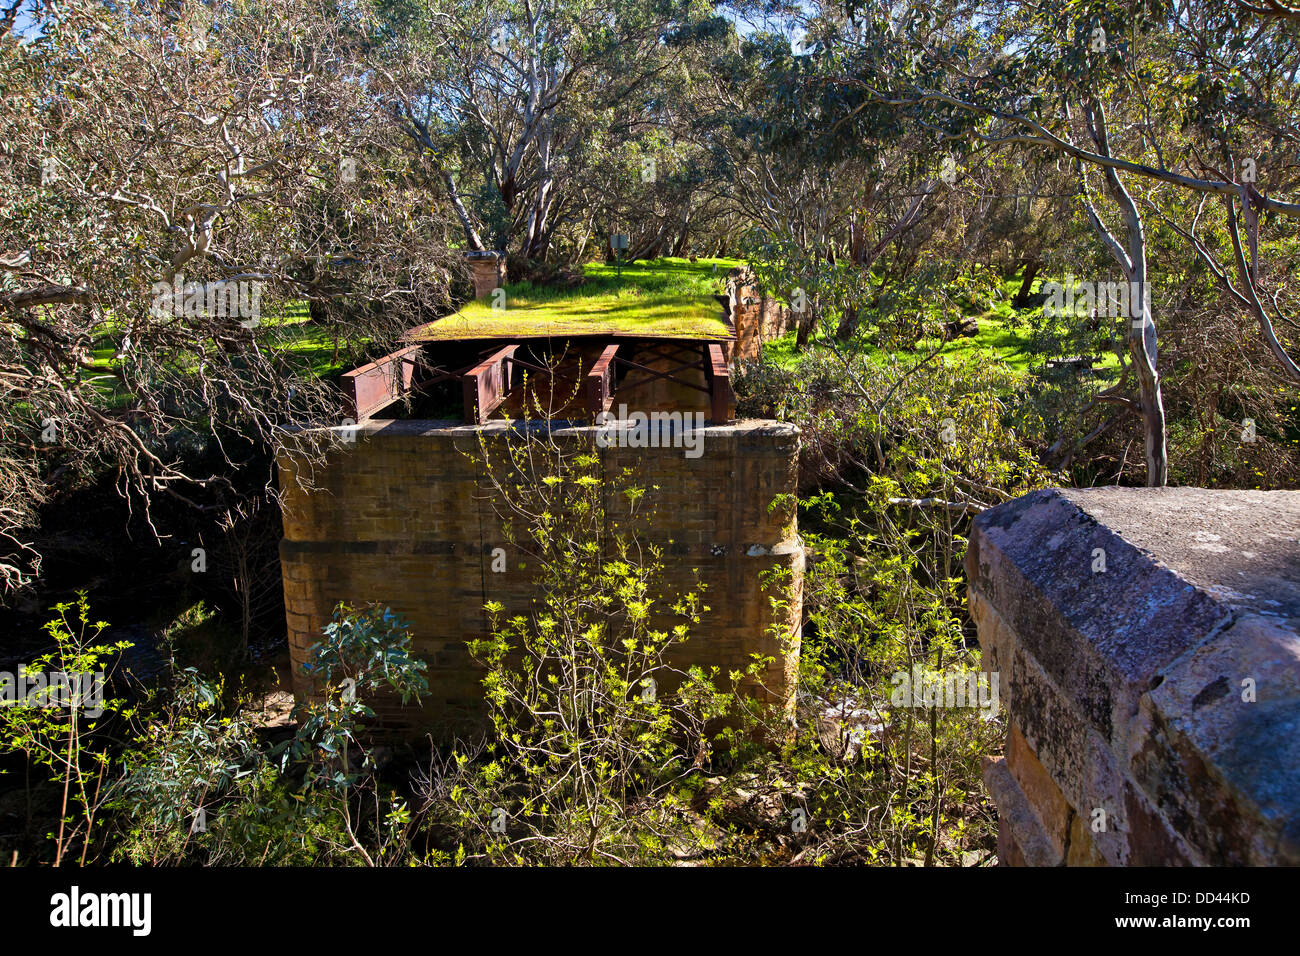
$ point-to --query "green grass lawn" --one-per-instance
(285, 329)
(996, 334)
(1000, 332)
(289, 331)
(670, 298)
(1003, 332)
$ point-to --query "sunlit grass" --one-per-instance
(284, 329)
(665, 297)
(1002, 331)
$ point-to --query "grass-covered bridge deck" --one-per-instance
(614, 329)
(663, 299)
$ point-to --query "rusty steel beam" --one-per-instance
(487, 385)
(376, 384)
(599, 383)
(719, 376)
(671, 374)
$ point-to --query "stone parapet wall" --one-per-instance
(756, 316)
(1147, 646)
(405, 517)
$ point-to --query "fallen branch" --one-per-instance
(959, 506)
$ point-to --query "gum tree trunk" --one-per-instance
(1141, 333)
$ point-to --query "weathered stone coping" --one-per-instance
(1148, 647)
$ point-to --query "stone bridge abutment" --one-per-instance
(404, 517)
(1147, 644)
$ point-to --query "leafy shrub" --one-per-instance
(198, 785)
(596, 735)
(899, 452)
(60, 737)
(198, 781)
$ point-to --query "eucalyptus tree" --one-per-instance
(502, 96)
(1145, 99)
(838, 192)
(166, 176)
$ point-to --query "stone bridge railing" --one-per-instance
(1148, 654)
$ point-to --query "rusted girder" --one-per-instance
(487, 384)
(719, 376)
(379, 383)
(599, 384)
